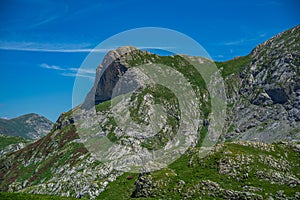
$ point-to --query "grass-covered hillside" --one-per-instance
(8, 140)
(236, 170)
(22, 196)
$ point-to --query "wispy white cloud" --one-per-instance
(71, 71)
(156, 47)
(78, 75)
(270, 3)
(44, 65)
(51, 50)
(244, 40)
(219, 56)
(238, 42)
(63, 47)
(262, 35)
(43, 21)
(80, 70)
(50, 47)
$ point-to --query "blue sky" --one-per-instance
(43, 43)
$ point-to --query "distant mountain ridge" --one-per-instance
(30, 126)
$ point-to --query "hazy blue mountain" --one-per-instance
(30, 126)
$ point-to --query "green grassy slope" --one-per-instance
(233, 66)
(24, 196)
(201, 176)
(7, 140)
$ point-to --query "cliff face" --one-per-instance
(267, 106)
(108, 74)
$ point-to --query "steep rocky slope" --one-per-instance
(266, 92)
(262, 94)
(29, 126)
(57, 164)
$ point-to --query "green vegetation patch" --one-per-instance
(121, 188)
(247, 160)
(8, 140)
(23, 196)
(233, 66)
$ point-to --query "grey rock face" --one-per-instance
(277, 95)
(108, 74)
(267, 106)
(12, 148)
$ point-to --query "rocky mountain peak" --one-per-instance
(114, 55)
(279, 41)
(108, 73)
(29, 126)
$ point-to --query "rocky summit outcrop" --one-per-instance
(108, 74)
(30, 126)
(267, 92)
